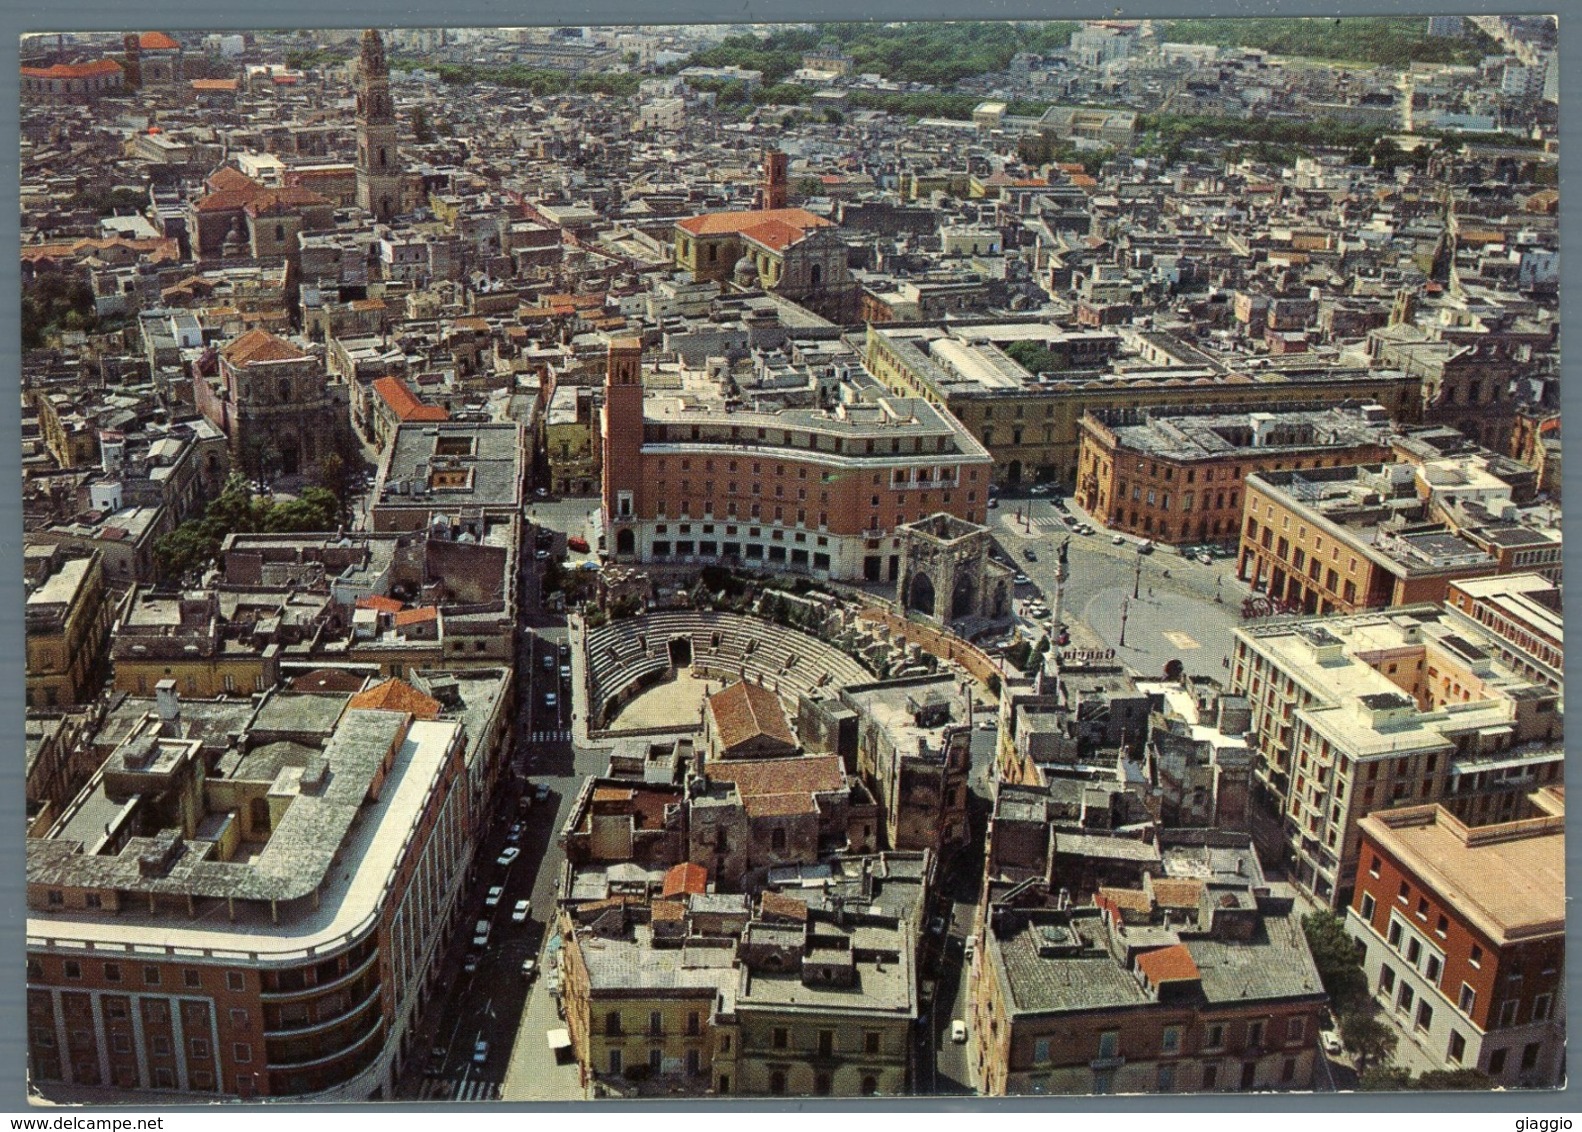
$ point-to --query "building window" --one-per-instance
(73, 969)
(1040, 1051)
(1475, 956)
(1442, 927)
(1215, 1038)
(1468, 999)
(1405, 893)
(1432, 968)
(779, 1038)
(1288, 1070)
(777, 1083)
(615, 1061)
(1110, 1044)
(1457, 1048)
(1170, 1042)
(1496, 1063)
(191, 977)
(1425, 1015)
(1367, 906)
(1294, 1029)
(1508, 1012)
(1543, 1004)
(112, 972)
(1395, 934)
(151, 976)
(1386, 979)
(656, 1023)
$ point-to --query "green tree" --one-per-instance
(1368, 1038)
(1442, 1080)
(1385, 1079)
(1335, 955)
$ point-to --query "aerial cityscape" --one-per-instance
(793, 560)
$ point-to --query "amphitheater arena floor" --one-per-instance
(673, 703)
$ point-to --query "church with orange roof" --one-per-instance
(790, 252)
(270, 397)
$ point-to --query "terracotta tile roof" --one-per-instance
(416, 616)
(774, 234)
(1169, 965)
(775, 904)
(284, 200)
(215, 84)
(260, 346)
(155, 249)
(226, 200)
(74, 70)
(778, 805)
(756, 778)
(230, 177)
(157, 41)
(685, 878)
(725, 223)
(1127, 899)
(397, 695)
(381, 604)
(1177, 893)
(668, 911)
(404, 403)
(746, 711)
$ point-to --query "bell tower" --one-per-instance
(622, 438)
(378, 167)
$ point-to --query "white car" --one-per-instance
(480, 1052)
(494, 896)
(508, 856)
(520, 913)
(1331, 1042)
(549, 699)
(529, 968)
(958, 1031)
(1119, 540)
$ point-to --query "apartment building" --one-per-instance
(1181, 986)
(1520, 615)
(691, 479)
(1364, 712)
(1030, 422)
(67, 621)
(1177, 477)
(262, 928)
(1464, 936)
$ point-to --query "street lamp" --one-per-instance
(1137, 576)
(1126, 606)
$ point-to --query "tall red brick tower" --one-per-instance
(776, 166)
(622, 436)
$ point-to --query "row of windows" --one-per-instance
(152, 975)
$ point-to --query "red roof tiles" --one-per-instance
(1169, 965)
(747, 711)
(74, 70)
(260, 346)
(685, 878)
(404, 403)
(157, 41)
(397, 695)
(726, 223)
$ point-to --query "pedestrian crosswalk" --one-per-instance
(551, 736)
(453, 1089)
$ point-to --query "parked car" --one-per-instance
(549, 699)
(1119, 540)
(514, 834)
(541, 793)
(1038, 489)
(508, 856)
(937, 925)
(1331, 1042)
(471, 963)
(480, 1052)
(529, 968)
(1146, 546)
(1206, 559)
(1022, 580)
(565, 672)
(494, 896)
(480, 934)
(578, 543)
(549, 663)
(523, 909)
(1030, 554)
(993, 503)
(958, 1031)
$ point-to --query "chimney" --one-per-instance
(169, 705)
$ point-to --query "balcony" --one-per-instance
(1106, 1064)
